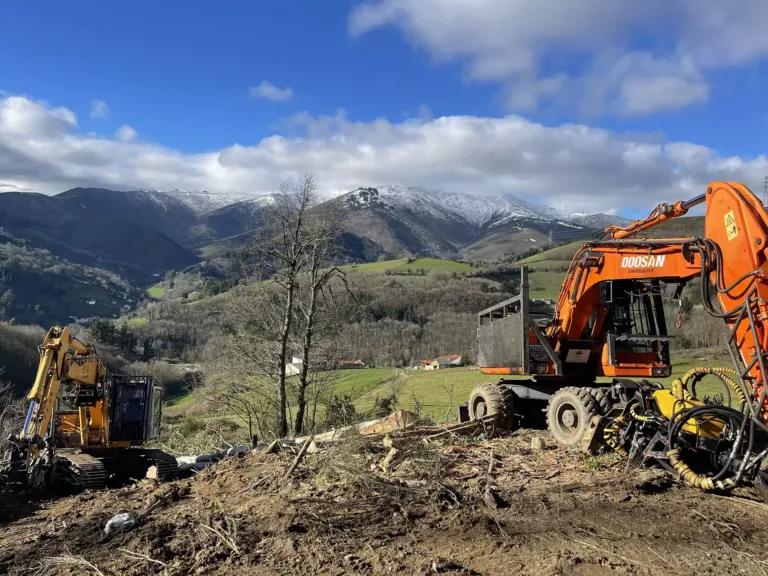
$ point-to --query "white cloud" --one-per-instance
(126, 134)
(99, 109)
(269, 91)
(590, 47)
(588, 169)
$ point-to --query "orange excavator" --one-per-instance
(590, 367)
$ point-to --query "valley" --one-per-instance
(127, 241)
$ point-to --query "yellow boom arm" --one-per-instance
(64, 358)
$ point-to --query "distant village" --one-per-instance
(293, 368)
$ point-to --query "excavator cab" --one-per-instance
(135, 409)
(634, 332)
(624, 335)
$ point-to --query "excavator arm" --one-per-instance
(661, 213)
(736, 230)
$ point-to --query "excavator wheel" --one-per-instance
(603, 398)
(569, 414)
(493, 399)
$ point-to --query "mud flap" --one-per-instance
(464, 413)
(593, 435)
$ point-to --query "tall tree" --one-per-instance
(266, 309)
(284, 307)
(317, 317)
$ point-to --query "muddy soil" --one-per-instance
(436, 511)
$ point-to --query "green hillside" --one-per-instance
(547, 269)
(687, 227)
(414, 266)
(47, 289)
(221, 246)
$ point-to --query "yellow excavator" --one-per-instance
(85, 429)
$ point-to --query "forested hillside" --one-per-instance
(37, 287)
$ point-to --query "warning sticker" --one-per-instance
(577, 355)
(730, 225)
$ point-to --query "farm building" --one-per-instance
(449, 361)
(294, 367)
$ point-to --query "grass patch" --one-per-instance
(559, 254)
(545, 284)
(157, 291)
(360, 382)
(211, 250)
(405, 266)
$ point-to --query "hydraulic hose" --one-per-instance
(611, 435)
(682, 393)
(634, 412)
(729, 416)
(694, 479)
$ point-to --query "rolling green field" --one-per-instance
(436, 394)
(559, 256)
(545, 284)
(403, 266)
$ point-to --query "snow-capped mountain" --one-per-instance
(203, 201)
(433, 222)
(480, 211)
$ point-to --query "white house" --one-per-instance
(294, 367)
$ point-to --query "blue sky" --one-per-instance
(162, 69)
(173, 79)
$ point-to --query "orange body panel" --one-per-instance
(737, 222)
(501, 371)
(733, 254)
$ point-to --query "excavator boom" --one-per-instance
(661, 213)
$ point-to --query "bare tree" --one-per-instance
(248, 362)
(287, 306)
(319, 319)
(280, 251)
(249, 401)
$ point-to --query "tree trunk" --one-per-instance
(306, 347)
(282, 420)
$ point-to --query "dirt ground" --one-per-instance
(437, 511)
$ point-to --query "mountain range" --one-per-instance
(139, 235)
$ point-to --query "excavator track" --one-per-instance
(167, 466)
(86, 471)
